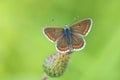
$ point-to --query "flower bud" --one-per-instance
(55, 65)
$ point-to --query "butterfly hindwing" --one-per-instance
(83, 27)
(78, 43)
(53, 33)
(62, 45)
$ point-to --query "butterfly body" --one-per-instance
(67, 34)
(69, 39)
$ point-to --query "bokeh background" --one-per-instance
(23, 47)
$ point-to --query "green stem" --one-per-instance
(45, 77)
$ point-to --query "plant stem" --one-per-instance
(45, 77)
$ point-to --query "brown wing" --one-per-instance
(62, 46)
(82, 27)
(53, 33)
(77, 42)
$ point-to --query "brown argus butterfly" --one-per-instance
(69, 39)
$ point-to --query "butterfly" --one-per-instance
(69, 38)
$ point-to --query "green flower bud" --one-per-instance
(55, 65)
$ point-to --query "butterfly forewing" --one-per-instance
(82, 27)
(62, 45)
(77, 42)
(53, 33)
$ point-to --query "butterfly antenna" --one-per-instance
(75, 18)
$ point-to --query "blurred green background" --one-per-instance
(23, 46)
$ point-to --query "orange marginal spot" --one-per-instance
(77, 46)
(63, 49)
(86, 29)
(52, 38)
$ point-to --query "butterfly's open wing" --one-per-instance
(62, 46)
(78, 43)
(53, 33)
(83, 27)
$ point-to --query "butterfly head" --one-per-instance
(66, 27)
